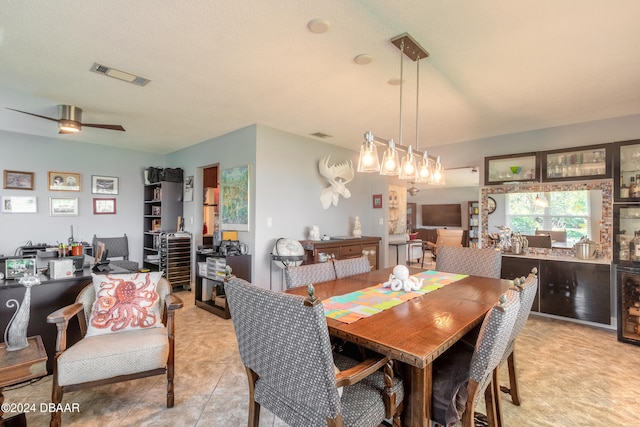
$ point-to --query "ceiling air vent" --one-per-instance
(321, 135)
(117, 74)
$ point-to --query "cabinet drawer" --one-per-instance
(335, 250)
(351, 251)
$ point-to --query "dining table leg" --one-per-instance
(417, 395)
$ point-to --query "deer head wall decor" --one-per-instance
(338, 175)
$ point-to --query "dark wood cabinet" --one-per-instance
(580, 163)
(514, 267)
(524, 167)
(343, 249)
(210, 177)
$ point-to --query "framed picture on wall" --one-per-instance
(64, 181)
(104, 184)
(234, 196)
(16, 180)
(16, 204)
(104, 206)
(63, 206)
(377, 201)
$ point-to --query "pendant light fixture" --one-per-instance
(416, 166)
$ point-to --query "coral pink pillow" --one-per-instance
(125, 302)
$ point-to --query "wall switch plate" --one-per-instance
(269, 222)
(381, 221)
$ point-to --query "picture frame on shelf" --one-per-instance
(64, 181)
(104, 206)
(19, 267)
(63, 206)
(104, 184)
(19, 204)
(18, 180)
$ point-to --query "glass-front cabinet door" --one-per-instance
(522, 167)
(626, 173)
(591, 162)
(626, 229)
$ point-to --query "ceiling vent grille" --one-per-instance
(117, 74)
(321, 135)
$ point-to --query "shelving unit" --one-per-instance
(209, 292)
(474, 224)
(175, 258)
(162, 207)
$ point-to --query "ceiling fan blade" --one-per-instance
(110, 127)
(31, 114)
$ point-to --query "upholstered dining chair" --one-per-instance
(473, 261)
(127, 327)
(556, 235)
(445, 237)
(117, 251)
(462, 375)
(285, 348)
(310, 273)
(526, 289)
(351, 266)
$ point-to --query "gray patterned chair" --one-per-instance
(117, 247)
(460, 376)
(112, 358)
(526, 289)
(310, 273)
(351, 266)
(473, 261)
(284, 345)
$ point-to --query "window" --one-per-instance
(567, 211)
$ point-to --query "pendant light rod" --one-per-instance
(401, 84)
(385, 143)
(417, 98)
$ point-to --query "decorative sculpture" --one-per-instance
(16, 333)
(400, 280)
(357, 227)
(314, 233)
(338, 175)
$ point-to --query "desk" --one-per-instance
(416, 332)
(21, 365)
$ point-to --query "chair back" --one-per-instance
(493, 339)
(556, 235)
(116, 246)
(527, 293)
(87, 297)
(473, 261)
(447, 237)
(286, 344)
(310, 273)
(351, 266)
(539, 241)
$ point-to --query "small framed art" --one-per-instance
(63, 206)
(104, 206)
(104, 184)
(64, 181)
(377, 201)
(16, 180)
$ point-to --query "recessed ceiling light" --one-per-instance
(318, 26)
(363, 59)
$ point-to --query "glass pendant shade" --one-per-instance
(437, 173)
(368, 161)
(424, 170)
(409, 168)
(390, 161)
(541, 202)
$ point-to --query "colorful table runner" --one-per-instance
(366, 302)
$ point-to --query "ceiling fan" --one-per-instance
(70, 120)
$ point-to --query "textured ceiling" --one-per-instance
(496, 67)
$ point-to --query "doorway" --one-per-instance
(210, 199)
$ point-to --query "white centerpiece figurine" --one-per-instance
(314, 233)
(401, 281)
(357, 228)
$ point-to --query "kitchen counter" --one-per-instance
(558, 257)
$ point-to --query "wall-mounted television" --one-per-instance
(449, 215)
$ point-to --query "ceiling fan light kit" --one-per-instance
(416, 166)
(70, 120)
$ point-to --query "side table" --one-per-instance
(21, 365)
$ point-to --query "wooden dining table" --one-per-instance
(415, 332)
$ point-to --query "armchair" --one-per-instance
(446, 237)
(285, 348)
(108, 358)
(116, 247)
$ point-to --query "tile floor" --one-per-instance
(570, 375)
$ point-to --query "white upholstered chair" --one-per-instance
(114, 357)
